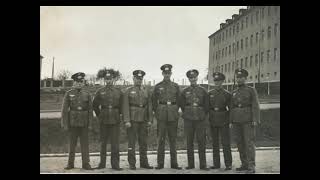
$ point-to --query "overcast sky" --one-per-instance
(129, 38)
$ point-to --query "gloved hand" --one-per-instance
(128, 124)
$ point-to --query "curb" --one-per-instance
(153, 152)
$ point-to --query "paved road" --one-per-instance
(51, 114)
(267, 161)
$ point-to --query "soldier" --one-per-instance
(137, 113)
(195, 107)
(244, 116)
(219, 121)
(77, 116)
(107, 105)
(165, 101)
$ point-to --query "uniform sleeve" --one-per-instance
(150, 109)
(90, 110)
(121, 106)
(230, 108)
(96, 103)
(228, 103)
(178, 96)
(182, 100)
(125, 107)
(154, 99)
(206, 101)
(65, 111)
(255, 106)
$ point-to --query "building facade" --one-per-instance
(250, 40)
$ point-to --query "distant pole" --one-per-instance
(52, 75)
(41, 57)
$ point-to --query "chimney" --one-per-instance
(228, 21)
(222, 25)
(234, 16)
(242, 11)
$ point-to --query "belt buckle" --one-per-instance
(195, 104)
(140, 105)
(109, 106)
(216, 109)
(168, 102)
(239, 105)
(79, 108)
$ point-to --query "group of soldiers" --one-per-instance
(137, 107)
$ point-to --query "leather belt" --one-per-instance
(167, 103)
(241, 106)
(109, 107)
(79, 108)
(194, 105)
(219, 109)
(138, 105)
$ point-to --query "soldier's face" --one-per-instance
(218, 83)
(193, 80)
(241, 80)
(137, 81)
(166, 75)
(78, 85)
(109, 81)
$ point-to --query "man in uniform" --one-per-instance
(219, 121)
(107, 105)
(244, 116)
(137, 114)
(194, 104)
(77, 115)
(165, 100)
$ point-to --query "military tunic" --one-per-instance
(245, 110)
(107, 104)
(165, 103)
(137, 109)
(219, 122)
(77, 115)
(194, 105)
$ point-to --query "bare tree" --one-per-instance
(102, 72)
(64, 74)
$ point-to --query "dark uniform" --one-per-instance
(194, 105)
(137, 109)
(77, 115)
(165, 102)
(219, 123)
(107, 105)
(244, 111)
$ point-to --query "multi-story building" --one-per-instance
(250, 40)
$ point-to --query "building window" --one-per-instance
(269, 9)
(222, 36)
(261, 75)
(241, 25)
(250, 61)
(256, 60)
(268, 75)
(241, 44)
(275, 9)
(252, 19)
(262, 13)
(222, 68)
(269, 32)
(257, 16)
(225, 68)
(241, 63)
(256, 76)
(237, 63)
(257, 37)
(226, 34)
(247, 22)
(246, 42)
(246, 62)
(275, 29)
(275, 51)
(230, 32)
(237, 46)
(275, 74)
(226, 53)
(229, 49)
(234, 29)
(261, 58)
(222, 52)
(251, 40)
(232, 66)
(268, 56)
(250, 78)
(233, 47)
(229, 67)
(237, 27)
(262, 35)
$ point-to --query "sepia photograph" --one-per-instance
(159, 89)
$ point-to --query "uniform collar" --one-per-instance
(109, 86)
